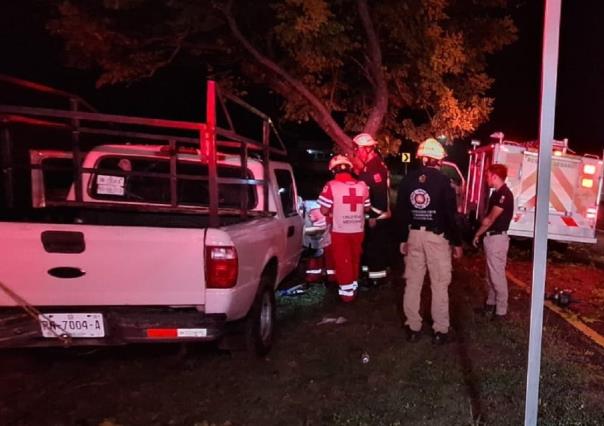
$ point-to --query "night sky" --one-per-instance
(580, 96)
(28, 52)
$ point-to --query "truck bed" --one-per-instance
(105, 216)
(79, 265)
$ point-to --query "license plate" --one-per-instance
(73, 324)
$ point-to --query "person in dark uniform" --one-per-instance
(375, 174)
(424, 220)
(496, 242)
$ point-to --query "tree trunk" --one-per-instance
(374, 52)
(287, 83)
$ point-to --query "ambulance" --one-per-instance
(576, 187)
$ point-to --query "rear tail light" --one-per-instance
(221, 267)
(587, 183)
(589, 169)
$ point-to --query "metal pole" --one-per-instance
(551, 33)
(7, 171)
(244, 188)
(480, 178)
(173, 174)
(210, 149)
(265, 158)
(77, 154)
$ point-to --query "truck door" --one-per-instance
(288, 198)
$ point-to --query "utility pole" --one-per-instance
(549, 73)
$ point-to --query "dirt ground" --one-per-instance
(315, 376)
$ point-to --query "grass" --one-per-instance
(429, 387)
(480, 379)
(314, 375)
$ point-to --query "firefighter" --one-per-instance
(425, 222)
(375, 174)
(344, 200)
(496, 242)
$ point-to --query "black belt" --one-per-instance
(489, 233)
(432, 229)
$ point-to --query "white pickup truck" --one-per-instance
(134, 249)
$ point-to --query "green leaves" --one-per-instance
(433, 55)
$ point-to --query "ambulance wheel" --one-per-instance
(260, 321)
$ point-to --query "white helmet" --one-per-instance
(339, 163)
(364, 139)
(431, 148)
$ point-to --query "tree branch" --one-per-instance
(364, 70)
(380, 101)
(404, 95)
(319, 111)
(179, 44)
(428, 113)
(334, 86)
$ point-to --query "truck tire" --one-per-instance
(260, 321)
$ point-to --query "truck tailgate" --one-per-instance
(67, 265)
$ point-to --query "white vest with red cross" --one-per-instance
(347, 201)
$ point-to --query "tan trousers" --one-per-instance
(426, 250)
(496, 253)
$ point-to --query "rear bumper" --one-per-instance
(122, 325)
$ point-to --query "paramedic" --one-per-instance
(344, 200)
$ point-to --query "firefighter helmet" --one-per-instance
(431, 148)
(364, 139)
(340, 163)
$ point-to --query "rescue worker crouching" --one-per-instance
(375, 174)
(425, 222)
(317, 239)
(323, 270)
(344, 201)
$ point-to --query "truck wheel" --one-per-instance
(260, 322)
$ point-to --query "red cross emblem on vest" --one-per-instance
(352, 199)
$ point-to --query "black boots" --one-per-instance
(412, 336)
(440, 338)
(487, 311)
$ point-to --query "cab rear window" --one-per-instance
(152, 185)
